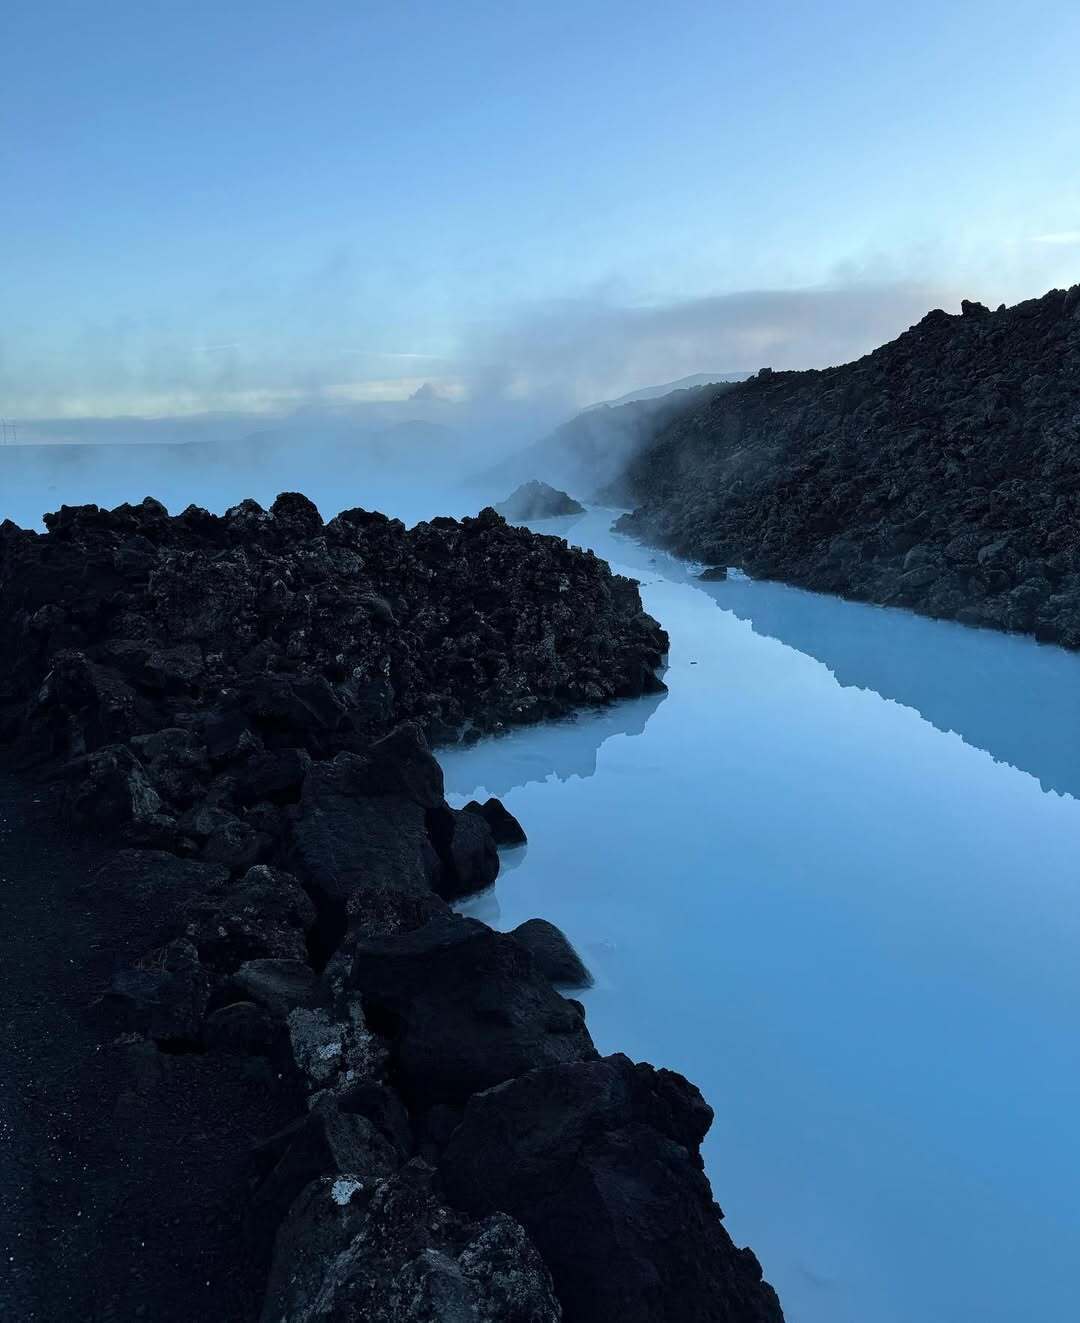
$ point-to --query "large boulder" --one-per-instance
(505, 828)
(554, 955)
(464, 1008)
(346, 837)
(264, 914)
(600, 1162)
(538, 500)
(398, 1255)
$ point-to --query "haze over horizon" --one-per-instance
(254, 210)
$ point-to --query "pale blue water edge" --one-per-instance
(832, 877)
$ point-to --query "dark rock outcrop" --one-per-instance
(505, 828)
(555, 957)
(537, 500)
(463, 1008)
(395, 1254)
(600, 1162)
(939, 473)
(243, 705)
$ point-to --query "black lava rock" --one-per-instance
(554, 956)
(537, 500)
(599, 1160)
(939, 473)
(505, 828)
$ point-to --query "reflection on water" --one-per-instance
(856, 929)
(559, 749)
(1015, 698)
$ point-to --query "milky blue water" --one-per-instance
(832, 876)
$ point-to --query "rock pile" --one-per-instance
(240, 708)
(940, 473)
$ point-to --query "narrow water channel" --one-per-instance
(833, 876)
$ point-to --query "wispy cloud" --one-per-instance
(1058, 238)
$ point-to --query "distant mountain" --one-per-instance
(684, 383)
(941, 472)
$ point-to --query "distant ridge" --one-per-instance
(655, 392)
(941, 472)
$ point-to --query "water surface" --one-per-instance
(832, 877)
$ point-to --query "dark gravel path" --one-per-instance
(122, 1170)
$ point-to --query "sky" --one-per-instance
(252, 207)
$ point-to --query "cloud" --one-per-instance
(554, 356)
(1058, 239)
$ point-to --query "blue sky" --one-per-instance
(240, 205)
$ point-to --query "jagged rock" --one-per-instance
(714, 574)
(346, 838)
(265, 914)
(538, 500)
(325, 1217)
(279, 985)
(505, 828)
(885, 479)
(599, 1160)
(400, 1256)
(109, 788)
(334, 1050)
(466, 849)
(327, 1141)
(554, 956)
(463, 1007)
(275, 777)
(385, 911)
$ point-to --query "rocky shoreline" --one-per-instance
(236, 712)
(940, 473)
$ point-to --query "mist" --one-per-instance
(507, 405)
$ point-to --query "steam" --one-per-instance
(215, 419)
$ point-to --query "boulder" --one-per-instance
(265, 914)
(554, 956)
(600, 1162)
(538, 500)
(505, 828)
(346, 838)
(279, 985)
(327, 1141)
(398, 1255)
(466, 849)
(463, 1008)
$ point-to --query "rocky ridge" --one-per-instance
(238, 708)
(939, 473)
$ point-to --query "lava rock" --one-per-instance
(466, 849)
(403, 1257)
(346, 838)
(266, 914)
(463, 1008)
(505, 828)
(537, 500)
(554, 956)
(279, 985)
(600, 1162)
(952, 448)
